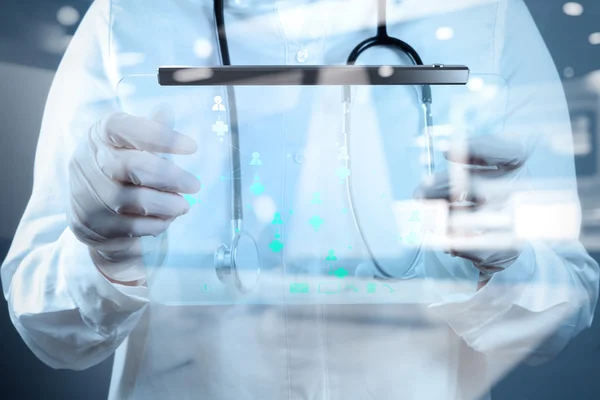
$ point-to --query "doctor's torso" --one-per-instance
(295, 202)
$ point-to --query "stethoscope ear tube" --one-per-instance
(243, 251)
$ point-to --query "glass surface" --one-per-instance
(295, 188)
(320, 325)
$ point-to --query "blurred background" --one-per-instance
(35, 33)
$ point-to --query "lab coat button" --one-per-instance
(302, 55)
(300, 157)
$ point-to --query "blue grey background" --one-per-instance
(28, 59)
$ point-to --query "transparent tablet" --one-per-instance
(324, 186)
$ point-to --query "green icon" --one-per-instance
(204, 288)
(340, 273)
(276, 246)
(343, 154)
(299, 287)
(412, 238)
(414, 217)
(385, 285)
(277, 219)
(349, 247)
(256, 161)
(257, 188)
(342, 173)
(344, 210)
(316, 199)
(291, 212)
(331, 256)
(329, 288)
(352, 288)
(316, 222)
(191, 199)
(371, 287)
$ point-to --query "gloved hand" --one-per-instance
(121, 191)
(488, 170)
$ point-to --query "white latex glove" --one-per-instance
(121, 191)
(487, 173)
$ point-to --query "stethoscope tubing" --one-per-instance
(237, 209)
(381, 39)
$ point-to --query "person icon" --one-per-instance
(218, 106)
(412, 238)
(316, 199)
(277, 219)
(343, 155)
(257, 187)
(256, 161)
(342, 173)
(331, 256)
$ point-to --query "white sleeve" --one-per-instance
(549, 294)
(65, 310)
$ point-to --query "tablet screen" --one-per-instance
(326, 187)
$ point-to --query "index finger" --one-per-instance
(127, 131)
(499, 151)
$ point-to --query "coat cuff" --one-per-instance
(473, 310)
(103, 305)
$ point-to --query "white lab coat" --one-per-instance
(453, 345)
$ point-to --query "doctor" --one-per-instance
(75, 283)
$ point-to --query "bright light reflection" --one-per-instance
(444, 33)
(475, 84)
(68, 16)
(551, 215)
(202, 48)
(568, 72)
(573, 9)
(265, 208)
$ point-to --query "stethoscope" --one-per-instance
(243, 251)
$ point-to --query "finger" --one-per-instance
(100, 225)
(142, 201)
(488, 260)
(145, 169)
(127, 131)
(481, 246)
(96, 191)
(469, 187)
(498, 151)
(487, 252)
(121, 250)
(490, 251)
(120, 245)
(442, 186)
(114, 226)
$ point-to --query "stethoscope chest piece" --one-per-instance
(240, 263)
